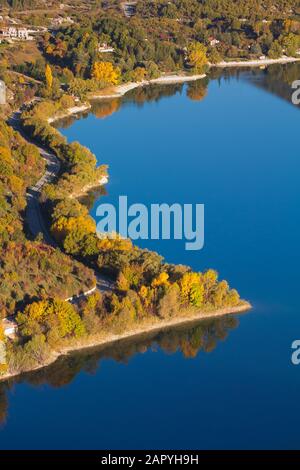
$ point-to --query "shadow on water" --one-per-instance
(189, 340)
(276, 79)
(104, 108)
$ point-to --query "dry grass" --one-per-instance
(20, 53)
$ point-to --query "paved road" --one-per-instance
(34, 216)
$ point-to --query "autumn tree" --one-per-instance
(43, 317)
(138, 74)
(192, 289)
(105, 73)
(196, 55)
(48, 76)
(64, 226)
(161, 280)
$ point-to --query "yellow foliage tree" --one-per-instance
(106, 73)
(49, 49)
(196, 54)
(115, 242)
(48, 76)
(16, 184)
(210, 278)
(161, 280)
(48, 315)
(5, 154)
(65, 225)
(2, 336)
(146, 295)
(191, 289)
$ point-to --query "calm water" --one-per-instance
(224, 384)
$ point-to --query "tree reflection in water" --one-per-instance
(275, 79)
(188, 339)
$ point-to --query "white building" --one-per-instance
(213, 42)
(11, 32)
(10, 327)
(105, 48)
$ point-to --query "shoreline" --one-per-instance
(89, 187)
(121, 90)
(145, 328)
(256, 62)
(70, 112)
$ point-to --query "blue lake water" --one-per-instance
(236, 151)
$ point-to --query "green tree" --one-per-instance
(275, 51)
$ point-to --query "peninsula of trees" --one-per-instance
(37, 278)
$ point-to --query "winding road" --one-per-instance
(34, 216)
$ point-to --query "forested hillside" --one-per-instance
(28, 269)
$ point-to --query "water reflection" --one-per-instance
(276, 79)
(189, 340)
(103, 108)
(197, 91)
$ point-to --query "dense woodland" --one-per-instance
(64, 65)
(147, 290)
(29, 269)
(160, 37)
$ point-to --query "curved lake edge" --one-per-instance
(159, 325)
(146, 327)
(120, 90)
(166, 376)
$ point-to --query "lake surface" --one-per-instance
(231, 144)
